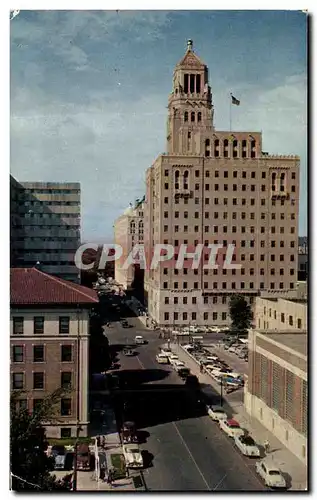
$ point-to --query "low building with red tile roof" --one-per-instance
(49, 337)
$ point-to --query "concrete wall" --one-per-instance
(293, 440)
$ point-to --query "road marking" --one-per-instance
(191, 455)
(140, 363)
(221, 480)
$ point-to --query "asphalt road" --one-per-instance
(188, 450)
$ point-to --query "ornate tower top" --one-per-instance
(189, 44)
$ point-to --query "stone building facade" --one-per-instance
(216, 187)
(128, 232)
(276, 391)
(49, 343)
(281, 314)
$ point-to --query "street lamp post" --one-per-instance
(221, 391)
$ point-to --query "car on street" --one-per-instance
(231, 427)
(124, 324)
(132, 455)
(216, 413)
(83, 457)
(59, 454)
(177, 365)
(183, 373)
(270, 474)
(128, 352)
(139, 339)
(173, 358)
(247, 446)
(161, 358)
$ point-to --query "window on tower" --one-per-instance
(186, 116)
(199, 116)
(192, 116)
(198, 84)
(186, 83)
(192, 84)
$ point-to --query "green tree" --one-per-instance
(240, 314)
(30, 466)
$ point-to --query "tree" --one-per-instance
(240, 313)
(30, 466)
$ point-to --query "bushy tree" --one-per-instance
(30, 466)
(240, 313)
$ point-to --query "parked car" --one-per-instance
(231, 428)
(59, 454)
(129, 433)
(128, 352)
(270, 473)
(192, 381)
(124, 324)
(177, 365)
(183, 373)
(83, 457)
(132, 455)
(139, 339)
(247, 446)
(173, 358)
(216, 413)
(162, 358)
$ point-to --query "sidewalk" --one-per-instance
(133, 304)
(284, 459)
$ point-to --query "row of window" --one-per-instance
(51, 215)
(206, 201)
(65, 405)
(18, 354)
(224, 272)
(234, 187)
(49, 191)
(225, 215)
(38, 325)
(39, 203)
(18, 380)
(193, 316)
(225, 286)
(218, 173)
(176, 300)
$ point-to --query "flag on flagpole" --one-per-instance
(234, 100)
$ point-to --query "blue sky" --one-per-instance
(89, 92)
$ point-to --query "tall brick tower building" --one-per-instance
(216, 187)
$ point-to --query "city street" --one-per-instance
(186, 450)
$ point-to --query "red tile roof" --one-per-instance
(29, 286)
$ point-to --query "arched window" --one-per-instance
(192, 116)
(235, 143)
(186, 179)
(132, 227)
(199, 117)
(176, 175)
(225, 143)
(282, 182)
(186, 116)
(207, 147)
(273, 181)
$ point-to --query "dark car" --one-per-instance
(124, 324)
(59, 454)
(183, 373)
(128, 352)
(192, 381)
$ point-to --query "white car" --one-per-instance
(270, 473)
(173, 358)
(231, 428)
(139, 339)
(132, 455)
(177, 365)
(216, 413)
(247, 446)
(162, 358)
